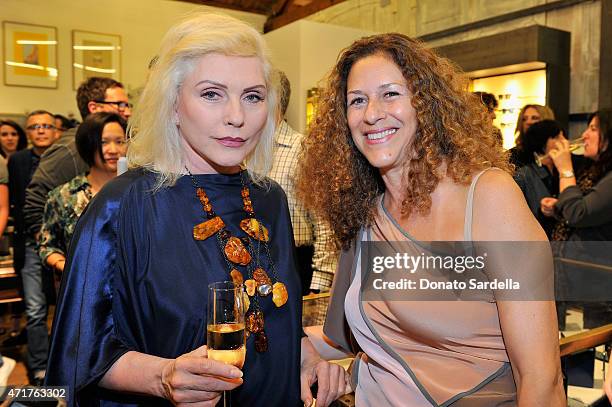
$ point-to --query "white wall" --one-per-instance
(141, 24)
(306, 51)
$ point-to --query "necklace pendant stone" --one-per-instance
(264, 289)
(206, 229)
(279, 294)
(255, 229)
(261, 276)
(236, 252)
(261, 342)
(255, 321)
(236, 277)
(250, 285)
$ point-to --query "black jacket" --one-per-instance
(21, 166)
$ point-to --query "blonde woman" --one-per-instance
(130, 325)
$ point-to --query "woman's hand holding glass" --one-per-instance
(561, 155)
(194, 378)
(226, 338)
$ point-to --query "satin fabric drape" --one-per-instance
(137, 280)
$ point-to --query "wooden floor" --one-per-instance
(19, 376)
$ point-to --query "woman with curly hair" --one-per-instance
(400, 152)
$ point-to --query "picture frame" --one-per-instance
(95, 54)
(30, 55)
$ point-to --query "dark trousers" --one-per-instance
(304, 264)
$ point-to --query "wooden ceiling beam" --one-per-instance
(293, 13)
(228, 5)
(278, 8)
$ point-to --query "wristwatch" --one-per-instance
(566, 174)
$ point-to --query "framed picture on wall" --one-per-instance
(30, 55)
(95, 54)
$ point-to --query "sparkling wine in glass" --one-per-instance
(226, 339)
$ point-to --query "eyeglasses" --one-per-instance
(45, 126)
(118, 105)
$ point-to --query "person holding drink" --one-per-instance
(195, 209)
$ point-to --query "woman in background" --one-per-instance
(583, 209)
(100, 141)
(585, 200)
(12, 138)
(528, 115)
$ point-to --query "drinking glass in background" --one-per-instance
(226, 339)
(576, 148)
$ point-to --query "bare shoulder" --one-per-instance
(500, 210)
(497, 185)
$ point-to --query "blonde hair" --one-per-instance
(154, 137)
(545, 113)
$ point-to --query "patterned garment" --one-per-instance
(306, 229)
(585, 181)
(64, 206)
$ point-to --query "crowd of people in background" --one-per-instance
(347, 192)
(47, 186)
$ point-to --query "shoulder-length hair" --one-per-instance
(545, 112)
(604, 163)
(454, 138)
(154, 137)
(23, 139)
(88, 138)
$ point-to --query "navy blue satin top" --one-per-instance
(136, 279)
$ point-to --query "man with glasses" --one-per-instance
(40, 129)
(62, 162)
(57, 166)
(62, 123)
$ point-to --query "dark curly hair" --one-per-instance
(453, 131)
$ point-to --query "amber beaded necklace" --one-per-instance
(237, 255)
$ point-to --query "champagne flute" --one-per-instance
(576, 148)
(226, 340)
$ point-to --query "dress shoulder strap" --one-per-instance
(469, 207)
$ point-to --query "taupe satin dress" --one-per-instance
(423, 353)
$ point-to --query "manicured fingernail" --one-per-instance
(237, 373)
